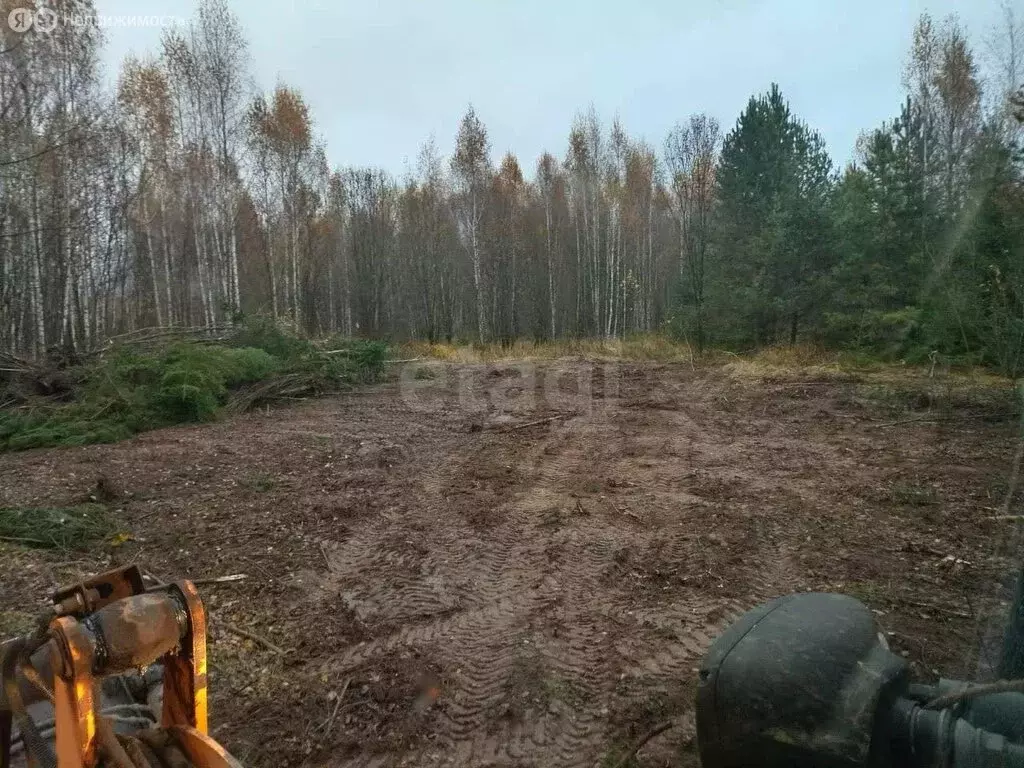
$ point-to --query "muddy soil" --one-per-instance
(522, 565)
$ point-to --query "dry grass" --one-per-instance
(800, 362)
(903, 387)
(641, 347)
(812, 363)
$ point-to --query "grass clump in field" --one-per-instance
(911, 494)
(261, 482)
(134, 387)
(74, 527)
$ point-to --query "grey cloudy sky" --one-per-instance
(383, 75)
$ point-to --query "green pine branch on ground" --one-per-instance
(131, 388)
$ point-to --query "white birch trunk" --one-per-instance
(200, 268)
(295, 275)
(236, 294)
(273, 271)
(36, 283)
(481, 323)
(167, 263)
(551, 271)
(152, 261)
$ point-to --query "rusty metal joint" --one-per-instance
(101, 654)
(181, 613)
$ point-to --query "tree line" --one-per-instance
(183, 197)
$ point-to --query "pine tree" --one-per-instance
(774, 186)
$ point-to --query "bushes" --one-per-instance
(129, 389)
(890, 335)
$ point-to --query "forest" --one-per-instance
(183, 197)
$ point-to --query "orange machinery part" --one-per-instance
(128, 627)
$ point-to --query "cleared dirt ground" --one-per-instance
(457, 578)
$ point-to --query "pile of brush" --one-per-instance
(55, 527)
(22, 379)
(159, 377)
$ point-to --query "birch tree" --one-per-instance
(471, 167)
(691, 153)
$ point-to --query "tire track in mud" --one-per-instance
(516, 588)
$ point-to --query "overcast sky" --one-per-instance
(383, 75)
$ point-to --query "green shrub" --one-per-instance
(891, 335)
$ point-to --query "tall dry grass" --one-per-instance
(641, 347)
